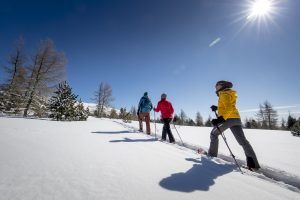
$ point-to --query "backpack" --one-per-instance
(145, 103)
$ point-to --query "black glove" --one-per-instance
(214, 108)
(218, 121)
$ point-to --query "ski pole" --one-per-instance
(154, 123)
(224, 138)
(178, 134)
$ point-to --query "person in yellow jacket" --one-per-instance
(229, 117)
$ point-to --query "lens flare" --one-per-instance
(260, 8)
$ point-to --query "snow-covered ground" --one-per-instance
(108, 159)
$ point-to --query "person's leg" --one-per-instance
(169, 132)
(141, 121)
(214, 137)
(239, 135)
(147, 120)
(164, 130)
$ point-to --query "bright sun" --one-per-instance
(260, 8)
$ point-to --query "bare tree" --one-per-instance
(47, 70)
(261, 117)
(13, 89)
(16, 69)
(103, 98)
(267, 116)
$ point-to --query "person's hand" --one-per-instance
(214, 108)
(218, 121)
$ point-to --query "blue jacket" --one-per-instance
(145, 104)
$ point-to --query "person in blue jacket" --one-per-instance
(144, 108)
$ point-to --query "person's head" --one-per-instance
(145, 93)
(163, 96)
(222, 85)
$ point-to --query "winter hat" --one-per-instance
(224, 85)
(146, 94)
(163, 96)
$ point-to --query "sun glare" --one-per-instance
(260, 8)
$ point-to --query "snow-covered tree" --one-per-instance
(63, 104)
(81, 114)
(296, 128)
(39, 106)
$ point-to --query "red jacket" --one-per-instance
(166, 109)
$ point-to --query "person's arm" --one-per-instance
(139, 106)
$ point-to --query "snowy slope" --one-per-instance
(104, 159)
(276, 149)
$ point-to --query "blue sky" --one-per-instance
(180, 47)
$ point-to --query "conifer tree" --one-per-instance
(81, 113)
(122, 113)
(296, 128)
(191, 122)
(199, 119)
(176, 119)
(290, 121)
(183, 117)
(208, 122)
(62, 104)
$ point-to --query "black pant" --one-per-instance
(167, 130)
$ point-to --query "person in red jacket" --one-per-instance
(166, 109)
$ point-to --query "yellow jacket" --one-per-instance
(226, 104)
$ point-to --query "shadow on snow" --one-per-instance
(135, 140)
(200, 177)
(111, 132)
